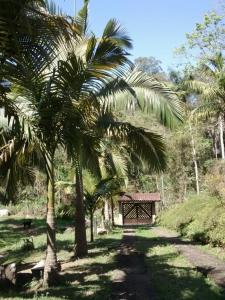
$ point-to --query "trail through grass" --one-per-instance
(171, 275)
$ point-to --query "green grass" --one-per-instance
(91, 278)
(12, 239)
(171, 275)
(87, 278)
(200, 218)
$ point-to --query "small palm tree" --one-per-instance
(95, 191)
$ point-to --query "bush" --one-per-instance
(215, 178)
(31, 207)
(200, 218)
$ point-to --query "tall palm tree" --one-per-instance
(36, 108)
(39, 109)
(210, 85)
(59, 100)
(93, 75)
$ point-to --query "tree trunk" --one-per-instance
(80, 249)
(51, 265)
(162, 191)
(215, 147)
(112, 212)
(92, 226)
(194, 161)
(220, 121)
(106, 214)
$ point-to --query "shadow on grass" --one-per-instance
(87, 280)
(90, 279)
(12, 234)
(170, 276)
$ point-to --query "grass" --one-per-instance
(171, 275)
(87, 278)
(199, 218)
(12, 237)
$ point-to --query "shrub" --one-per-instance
(200, 218)
(215, 178)
(32, 207)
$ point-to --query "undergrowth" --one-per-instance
(200, 218)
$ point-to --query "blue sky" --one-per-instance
(156, 27)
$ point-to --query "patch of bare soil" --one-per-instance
(207, 264)
(131, 280)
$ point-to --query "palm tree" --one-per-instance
(36, 108)
(60, 99)
(96, 190)
(210, 85)
(92, 75)
(114, 161)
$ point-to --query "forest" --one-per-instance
(81, 125)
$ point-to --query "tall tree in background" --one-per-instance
(149, 65)
(210, 85)
(205, 40)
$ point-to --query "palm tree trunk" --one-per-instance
(215, 148)
(162, 191)
(112, 212)
(51, 265)
(80, 248)
(220, 121)
(92, 225)
(194, 160)
(106, 214)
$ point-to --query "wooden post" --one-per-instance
(153, 212)
(122, 204)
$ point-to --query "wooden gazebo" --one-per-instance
(138, 208)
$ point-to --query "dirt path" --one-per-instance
(205, 263)
(131, 280)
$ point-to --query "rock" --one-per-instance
(4, 212)
(38, 269)
(8, 274)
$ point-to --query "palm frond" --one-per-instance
(147, 145)
(81, 20)
(142, 90)
(117, 34)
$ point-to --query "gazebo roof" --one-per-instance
(139, 197)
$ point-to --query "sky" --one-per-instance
(156, 27)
